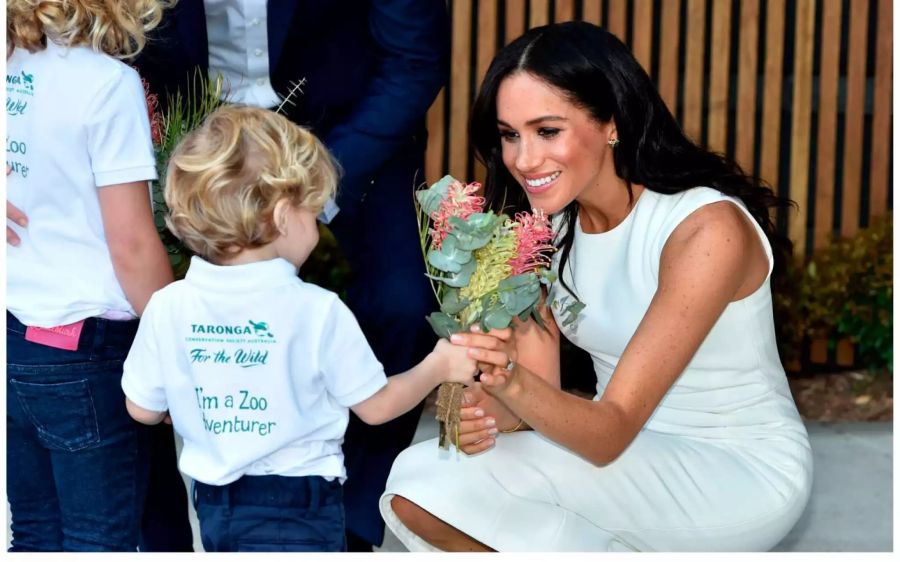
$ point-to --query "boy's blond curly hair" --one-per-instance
(225, 177)
(115, 27)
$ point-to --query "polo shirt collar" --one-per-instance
(239, 278)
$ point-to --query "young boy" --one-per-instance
(257, 369)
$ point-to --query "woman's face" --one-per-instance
(554, 149)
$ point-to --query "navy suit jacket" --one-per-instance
(372, 69)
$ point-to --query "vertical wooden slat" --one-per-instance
(487, 43)
(881, 112)
(540, 13)
(564, 11)
(693, 72)
(487, 37)
(827, 131)
(617, 14)
(745, 126)
(670, 16)
(434, 152)
(720, 47)
(515, 19)
(854, 117)
(592, 11)
(844, 355)
(801, 116)
(460, 66)
(642, 33)
(770, 131)
(818, 351)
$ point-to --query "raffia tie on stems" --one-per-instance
(449, 403)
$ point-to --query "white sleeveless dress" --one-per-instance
(723, 464)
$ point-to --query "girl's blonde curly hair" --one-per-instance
(115, 27)
(225, 177)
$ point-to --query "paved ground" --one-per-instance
(851, 508)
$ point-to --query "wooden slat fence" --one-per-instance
(797, 91)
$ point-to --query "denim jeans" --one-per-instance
(76, 461)
(271, 514)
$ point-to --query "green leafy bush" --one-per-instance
(843, 291)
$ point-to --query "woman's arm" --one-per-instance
(539, 353)
(712, 258)
(138, 256)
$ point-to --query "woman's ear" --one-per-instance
(611, 131)
(280, 215)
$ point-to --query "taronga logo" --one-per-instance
(24, 79)
(255, 329)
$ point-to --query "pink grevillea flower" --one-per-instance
(533, 235)
(152, 111)
(460, 202)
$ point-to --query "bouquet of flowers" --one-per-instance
(484, 269)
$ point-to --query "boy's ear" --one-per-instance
(279, 215)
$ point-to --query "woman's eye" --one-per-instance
(508, 136)
(548, 132)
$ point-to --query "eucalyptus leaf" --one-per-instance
(497, 318)
(443, 325)
(571, 313)
(461, 278)
(449, 258)
(536, 314)
(519, 292)
(430, 199)
(458, 279)
(475, 231)
(547, 276)
(451, 303)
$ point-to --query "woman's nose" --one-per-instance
(528, 157)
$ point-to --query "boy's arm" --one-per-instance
(447, 362)
(148, 417)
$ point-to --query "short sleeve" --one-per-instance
(142, 379)
(351, 371)
(118, 132)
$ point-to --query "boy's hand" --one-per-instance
(458, 366)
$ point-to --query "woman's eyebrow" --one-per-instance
(535, 121)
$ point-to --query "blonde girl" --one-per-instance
(80, 157)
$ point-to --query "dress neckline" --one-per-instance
(621, 227)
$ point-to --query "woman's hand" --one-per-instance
(496, 354)
(481, 419)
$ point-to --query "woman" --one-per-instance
(693, 441)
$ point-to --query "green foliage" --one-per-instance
(844, 291)
(326, 266)
(183, 114)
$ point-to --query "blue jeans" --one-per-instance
(271, 514)
(76, 461)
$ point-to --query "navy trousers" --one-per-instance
(271, 514)
(76, 461)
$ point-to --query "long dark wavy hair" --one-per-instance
(598, 74)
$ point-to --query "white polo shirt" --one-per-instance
(257, 369)
(77, 120)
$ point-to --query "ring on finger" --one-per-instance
(511, 365)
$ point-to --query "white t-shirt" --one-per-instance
(257, 369)
(77, 120)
